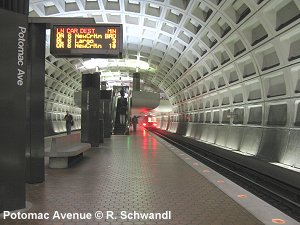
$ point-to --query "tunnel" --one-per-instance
(228, 65)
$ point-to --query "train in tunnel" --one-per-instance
(149, 121)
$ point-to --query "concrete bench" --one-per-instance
(65, 150)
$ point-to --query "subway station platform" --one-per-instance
(141, 173)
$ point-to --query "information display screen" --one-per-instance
(87, 41)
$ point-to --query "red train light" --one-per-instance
(144, 124)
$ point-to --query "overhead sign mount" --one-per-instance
(87, 41)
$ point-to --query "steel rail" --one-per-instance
(283, 202)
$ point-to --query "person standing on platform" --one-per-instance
(134, 122)
(122, 93)
(123, 107)
(123, 111)
(69, 122)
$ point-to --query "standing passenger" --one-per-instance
(122, 93)
(69, 122)
(123, 107)
(123, 111)
(134, 122)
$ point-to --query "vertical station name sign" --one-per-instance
(87, 41)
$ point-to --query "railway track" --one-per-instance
(282, 196)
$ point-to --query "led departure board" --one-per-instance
(87, 41)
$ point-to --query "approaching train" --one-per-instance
(149, 121)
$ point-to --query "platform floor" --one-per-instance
(133, 173)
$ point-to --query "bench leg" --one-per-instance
(74, 159)
(58, 163)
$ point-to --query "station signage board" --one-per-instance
(13, 120)
(87, 41)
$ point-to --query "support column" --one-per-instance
(90, 104)
(35, 166)
(106, 96)
(136, 85)
(13, 64)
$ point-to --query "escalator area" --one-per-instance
(121, 117)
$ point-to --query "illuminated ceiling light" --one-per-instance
(104, 63)
(134, 2)
(93, 63)
(154, 5)
(137, 64)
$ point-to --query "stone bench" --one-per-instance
(65, 150)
